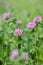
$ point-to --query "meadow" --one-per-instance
(21, 32)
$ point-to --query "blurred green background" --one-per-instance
(34, 7)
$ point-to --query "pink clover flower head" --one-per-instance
(19, 22)
(6, 15)
(37, 19)
(31, 25)
(14, 54)
(18, 32)
(25, 56)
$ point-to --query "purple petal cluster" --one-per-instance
(6, 15)
(18, 32)
(14, 54)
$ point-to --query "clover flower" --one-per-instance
(19, 22)
(37, 19)
(25, 56)
(18, 32)
(31, 25)
(14, 54)
(6, 15)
